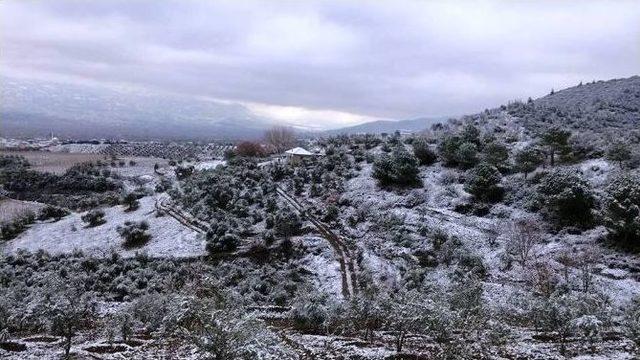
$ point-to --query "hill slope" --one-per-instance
(613, 104)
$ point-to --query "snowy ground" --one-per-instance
(169, 238)
(208, 164)
(143, 166)
(321, 261)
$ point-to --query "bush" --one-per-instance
(619, 152)
(423, 152)
(134, 233)
(483, 182)
(222, 243)
(52, 212)
(131, 201)
(623, 210)
(14, 228)
(448, 150)
(566, 199)
(496, 154)
(399, 169)
(287, 223)
(249, 149)
(94, 218)
(467, 155)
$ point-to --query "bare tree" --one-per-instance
(522, 236)
(280, 138)
(70, 308)
(585, 261)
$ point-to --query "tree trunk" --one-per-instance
(400, 341)
(67, 346)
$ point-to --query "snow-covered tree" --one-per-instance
(483, 182)
(528, 159)
(70, 308)
(623, 209)
(556, 140)
(566, 199)
(423, 152)
(619, 152)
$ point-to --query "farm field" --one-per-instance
(52, 162)
(10, 208)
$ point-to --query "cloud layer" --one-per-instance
(326, 63)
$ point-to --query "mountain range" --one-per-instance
(35, 108)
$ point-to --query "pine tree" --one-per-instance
(556, 141)
(483, 182)
(528, 159)
(623, 209)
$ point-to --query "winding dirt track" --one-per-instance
(343, 254)
(165, 205)
(345, 259)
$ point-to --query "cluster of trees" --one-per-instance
(163, 297)
(82, 186)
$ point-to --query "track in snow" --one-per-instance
(347, 263)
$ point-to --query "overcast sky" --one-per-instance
(329, 63)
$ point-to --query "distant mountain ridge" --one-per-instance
(388, 126)
(30, 108)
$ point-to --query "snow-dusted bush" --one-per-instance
(13, 228)
(619, 152)
(623, 209)
(222, 243)
(496, 154)
(313, 311)
(566, 199)
(287, 223)
(94, 218)
(448, 149)
(467, 155)
(423, 152)
(52, 212)
(521, 238)
(483, 182)
(131, 201)
(134, 233)
(398, 169)
(589, 327)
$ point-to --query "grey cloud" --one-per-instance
(380, 59)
